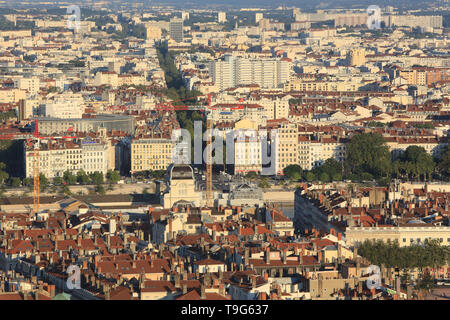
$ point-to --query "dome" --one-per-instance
(181, 171)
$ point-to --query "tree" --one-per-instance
(324, 177)
(57, 181)
(443, 163)
(43, 181)
(113, 176)
(82, 177)
(96, 178)
(293, 172)
(310, 176)
(251, 175)
(15, 182)
(264, 183)
(368, 152)
(3, 174)
(70, 178)
(27, 182)
(100, 189)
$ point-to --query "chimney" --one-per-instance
(222, 289)
(184, 288)
(267, 256)
(202, 291)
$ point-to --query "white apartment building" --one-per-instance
(31, 84)
(54, 159)
(233, 71)
(95, 156)
(57, 157)
(286, 146)
(323, 149)
(65, 106)
(247, 152)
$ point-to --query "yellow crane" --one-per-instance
(36, 171)
(209, 128)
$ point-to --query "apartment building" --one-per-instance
(151, 154)
(65, 106)
(247, 152)
(398, 145)
(410, 233)
(287, 146)
(95, 156)
(30, 84)
(265, 72)
(58, 156)
(424, 76)
(176, 29)
(356, 57)
(303, 147)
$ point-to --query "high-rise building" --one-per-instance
(176, 29)
(221, 17)
(232, 71)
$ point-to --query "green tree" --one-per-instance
(324, 177)
(96, 178)
(443, 163)
(70, 178)
(251, 175)
(27, 182)
(113, 176)
(57, 181)
(293, 172)
(43, 181)
(368, 152)
(100, 189)
(82, 177)
(3, 174)
(310, 176)
(264, 183)
(15, 182)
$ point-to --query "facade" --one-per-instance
(233, 71)
(57, 157)
(151, 154)
(357, 57)
(181, 188)
(247, 152)
(287, 144)
(405, 235)
(51, 126)
(65, 106)
(176, 29)
(95, 157)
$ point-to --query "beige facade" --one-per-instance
(151, 154)
(405, 235)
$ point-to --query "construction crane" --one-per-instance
(209, 128)
(36, 165)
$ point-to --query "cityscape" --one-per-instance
(225, 151)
